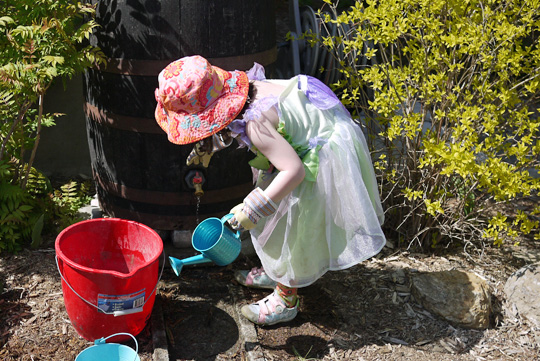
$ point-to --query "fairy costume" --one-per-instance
(331, 221)
(322, 212)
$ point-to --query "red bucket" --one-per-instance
(109, 269)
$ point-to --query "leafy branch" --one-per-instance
(449, 94)
(41, 41)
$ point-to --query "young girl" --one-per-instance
(315, 206)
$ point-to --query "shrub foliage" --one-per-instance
(41, 40)
(448, 91)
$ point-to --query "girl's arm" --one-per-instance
(268, 141)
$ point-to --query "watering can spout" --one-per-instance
(178, 264)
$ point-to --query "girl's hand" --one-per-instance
(240, 221)
(256, 205)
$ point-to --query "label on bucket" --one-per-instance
(112, 303)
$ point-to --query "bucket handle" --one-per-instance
(115, 313)
(103, 339)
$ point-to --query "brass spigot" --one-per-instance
(198, 190)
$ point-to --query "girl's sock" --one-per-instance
(288, 294)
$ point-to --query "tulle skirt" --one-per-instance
(330, 224)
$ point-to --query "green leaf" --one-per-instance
(4, 20)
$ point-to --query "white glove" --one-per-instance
(256, 205)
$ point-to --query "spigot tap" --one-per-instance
(195, 180)
(198, 181)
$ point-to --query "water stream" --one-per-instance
(197, 209)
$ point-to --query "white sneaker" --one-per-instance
(255, 278)
(270, 310)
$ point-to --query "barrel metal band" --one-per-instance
(157, 221)
(124, 122)
(154, 67)
(172, 198)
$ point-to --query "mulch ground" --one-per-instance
(363, 313)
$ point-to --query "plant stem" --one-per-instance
(24, 109)
(34, 148)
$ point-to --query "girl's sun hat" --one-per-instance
(196, 100)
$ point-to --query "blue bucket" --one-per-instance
(102, 351)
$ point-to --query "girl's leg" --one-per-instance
(288, 294)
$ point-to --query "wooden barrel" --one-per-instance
(139, 174)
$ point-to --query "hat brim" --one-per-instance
(182, 128)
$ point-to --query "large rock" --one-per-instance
(461, 298)
(521, 293)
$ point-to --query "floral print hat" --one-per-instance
(196, 100)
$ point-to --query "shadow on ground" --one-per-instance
(196, 309)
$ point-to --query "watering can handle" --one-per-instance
(225, 218)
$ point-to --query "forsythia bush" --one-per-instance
(449, 91)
